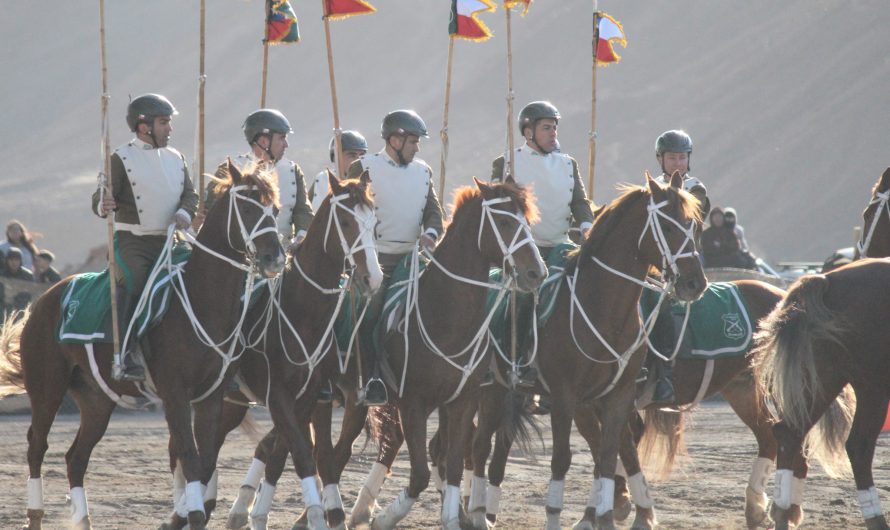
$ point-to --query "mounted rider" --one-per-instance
(407, 210)
(151, 189)
(556, 180)
(354, 146)
(266, 133)
(673, 150)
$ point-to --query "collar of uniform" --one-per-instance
(389, 159)
(529, 149)
(139, 144)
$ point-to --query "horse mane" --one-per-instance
(255, 176)
(608, 217)
(520, 195)
(358, 193)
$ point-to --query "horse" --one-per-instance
(591, 349)
(875, 238)
(187, 370)
(823, 353)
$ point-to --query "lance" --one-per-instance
(591, 147)
(335, 107)
(265, 53)
(444, 133)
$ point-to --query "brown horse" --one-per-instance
(437, 356)
(829, 334)
(875, 239)
(592, 347)
(188, 371)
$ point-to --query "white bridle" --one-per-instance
(882, 199)
(247, 235)
(478, 344)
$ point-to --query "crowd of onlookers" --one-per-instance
(20, 259)
(723, 242)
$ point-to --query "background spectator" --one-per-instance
(44, 272)
(14, 268)
(720, 246)
(17, 236)
(745, 259)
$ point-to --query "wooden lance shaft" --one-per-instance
(265, 54)
(509, 162)
(334, 105)
(591, 148)
(201, 81)
(444, 133)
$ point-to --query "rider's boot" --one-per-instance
(664, 385)
(326, 392)
(128, 369)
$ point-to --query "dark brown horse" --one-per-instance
(292, 342)
(875, 239)
(828, 335)
(592, 347)
(438, 356)
(188, 371)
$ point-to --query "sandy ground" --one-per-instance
(128, 484)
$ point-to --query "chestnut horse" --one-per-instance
(828, 335)
(188, 370)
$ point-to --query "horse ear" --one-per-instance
(365, 177)
(234, 174)
(334, 183)
(483, 187)
(651, 184)
(677, 180)
(884, 183)
(509, 180)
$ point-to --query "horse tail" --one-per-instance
(663, 443)
(12, 378)
(384, 426)
(251, 427)
(786, 363)
(519, 425)
(826, 441)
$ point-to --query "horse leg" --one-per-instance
(437, 469)
(391, 439)
(324, 461)
(239, 512)
(750, 406)
(273, 451)
(867, 422)
(413, 416)
(484, 498)
(177, 411)
(209, 438)
(95, 411)
(588, 426)
(460, 432)
(46, 390)
(561, 425)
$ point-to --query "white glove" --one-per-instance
(182, 219)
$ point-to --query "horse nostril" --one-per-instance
(533, 274)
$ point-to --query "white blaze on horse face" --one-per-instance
(367, 221)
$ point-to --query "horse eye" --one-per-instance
(503, 224)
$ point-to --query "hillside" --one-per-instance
(787, 101)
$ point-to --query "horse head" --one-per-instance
(249, 215)
(349, 230)
(504, 237)
(875, 239)
(669, 241)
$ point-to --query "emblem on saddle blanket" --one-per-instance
(719, 323)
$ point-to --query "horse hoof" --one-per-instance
(583, 524)
(645, 519)
(236, 521)
(381, 523)
(259, 523)
(622, 508)
(492, 518)
(795, 515)
(361, 516)
(336, 519)
(302, 521)
(780, 517)
(315, 515)
(84, 524)
(477, 519)
(197, 520)
(209, 506)
(451, 524)
(876, 523)
(35, 520)
(605, 521)
(177, 522)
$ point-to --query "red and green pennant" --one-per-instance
(281, 27)
(337, 9)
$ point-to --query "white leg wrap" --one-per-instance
(254, 474)
(451, 504)
(310, 491)
(437, 480)
(797, 491)
(194, 496)
(619, 469)
(639, 491)
(493, 500)
(397, 510)
(604, 493)
(554, 494)
(178, 483)
(79, 510)
(243, 501)
(375, 479)
(782, 496)
(210, 491)
(466, 482)
(760, 474)
(869, 503)
(332, 498)
(477, 493)
(263, 502)
(35, 493)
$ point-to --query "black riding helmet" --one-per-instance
(265, 122)
(403, 123)
(147, 107)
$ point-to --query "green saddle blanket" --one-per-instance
(86, 304)
(499, 326)
(719, 322)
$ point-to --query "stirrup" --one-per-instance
(127, 369)
(374, 394)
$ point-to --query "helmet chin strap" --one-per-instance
(535, 140)
(402, 161)
(267, 150)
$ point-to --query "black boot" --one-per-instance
(130, 369)
(664, 385)
(374, 393)
(326, 393)
(528, 376)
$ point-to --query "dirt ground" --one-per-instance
(128, 484)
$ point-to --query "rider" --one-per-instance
(557, 184)
(673, 150)
(354, 147)
(407, 209)
(266, 133)
(151, 189)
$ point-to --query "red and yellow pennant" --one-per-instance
(465, 23)
(610, 33)
(282, 25)
(337, 9)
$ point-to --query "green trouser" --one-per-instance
(135, 257)
(371, 350)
